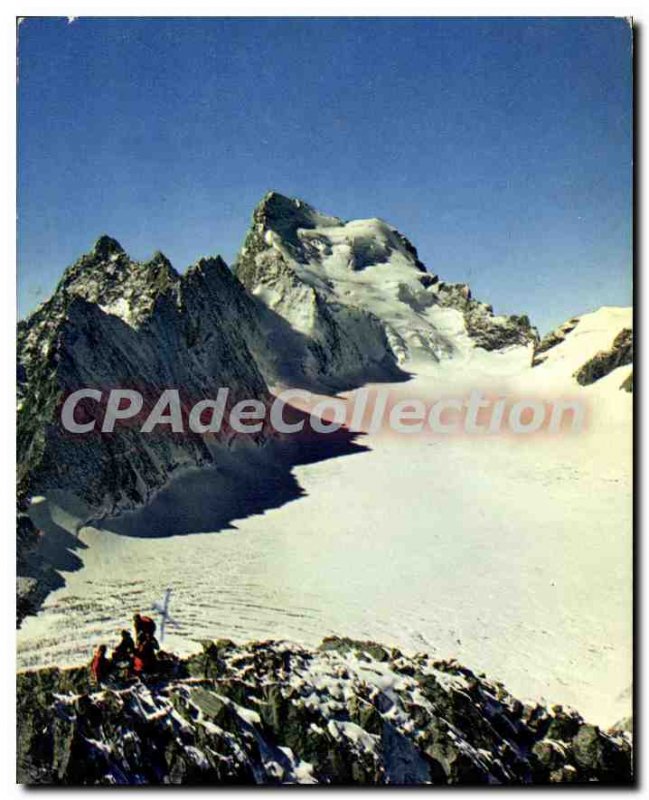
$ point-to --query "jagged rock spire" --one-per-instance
(106, 246)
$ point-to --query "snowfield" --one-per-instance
(512, 554)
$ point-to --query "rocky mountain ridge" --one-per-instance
(604, 362)
(115, 323)
(591, 346)
(347, 712)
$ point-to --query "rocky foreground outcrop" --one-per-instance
(271, 712)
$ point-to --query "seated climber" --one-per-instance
(123, 653)
(100, 666)
(145, 659)
(144, 627)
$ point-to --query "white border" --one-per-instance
(8, 292)
(333, 8)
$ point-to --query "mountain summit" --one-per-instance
(360, 295)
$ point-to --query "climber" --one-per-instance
(144, 627)
(145, 658)
(100, 666)
(123, 653)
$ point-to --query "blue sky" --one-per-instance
(501, 148)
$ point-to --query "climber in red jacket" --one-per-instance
(100, 665)
(145, 659)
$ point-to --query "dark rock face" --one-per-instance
(488, 331)
(270, 713)
(627, 384)
(552, 339)
(620, 354)
(115, 323)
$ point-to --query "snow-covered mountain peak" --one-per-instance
(299, 261)
(285, 215)
(294, 225)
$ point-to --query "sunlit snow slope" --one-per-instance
(513, 554)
